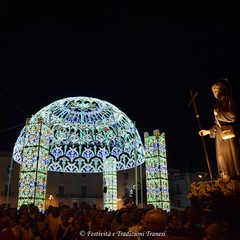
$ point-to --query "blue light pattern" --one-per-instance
(84, 133)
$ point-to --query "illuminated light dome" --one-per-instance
(86, 134)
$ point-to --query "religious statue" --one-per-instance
(227, 151)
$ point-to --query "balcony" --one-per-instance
(78, 195)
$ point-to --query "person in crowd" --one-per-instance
(74, 209)
(149, 206)
(2, 209)
(121, 224)
(174, 222)
(80, 216)
(5, 231)
(65, 210)
(186, 218)
(52, 219)
(23, 209)
(21, 230)
(107, 220)
(96, 224)
(220, 222)
(154, 225)
(148, 224)
(32, 212)
(46, 234)
(12, 213)
(138, 223)
(89, 213)
(63, 230)
(40, 222)
(75, 230)
(34, 229)
(132, 212)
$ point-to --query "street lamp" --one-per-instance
(118, 200)
(50, 199)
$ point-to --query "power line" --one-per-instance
(9, 129)
(13, 104)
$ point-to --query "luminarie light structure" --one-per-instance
(76, 135)
(156, 170)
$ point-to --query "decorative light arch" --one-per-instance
(84, 134)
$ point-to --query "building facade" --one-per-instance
(179, 186)
(69, 188)
(64, 188)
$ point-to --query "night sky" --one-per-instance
(142, 57)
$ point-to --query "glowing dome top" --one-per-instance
(86, 134)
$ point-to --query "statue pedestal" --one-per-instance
(235, 185)
(195, 209)
(226, 177)
(222, 193)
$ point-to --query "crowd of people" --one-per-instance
(89, 223)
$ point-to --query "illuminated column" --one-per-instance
(110, 184)
(33, 169)
(156, 170)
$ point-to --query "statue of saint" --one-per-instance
(227, 151)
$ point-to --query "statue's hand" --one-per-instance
(203, 132)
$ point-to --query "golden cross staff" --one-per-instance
(199, 125)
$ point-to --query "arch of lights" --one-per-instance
(156, 170)
(75, 135)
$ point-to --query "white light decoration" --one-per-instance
(156, 170)
(110, 185)
(33, 170)
(84, 133)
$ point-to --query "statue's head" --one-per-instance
(223, 86)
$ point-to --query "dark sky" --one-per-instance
(142, 56)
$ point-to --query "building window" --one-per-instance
(126, 176)
(61, 191)
(83, 191)
(179, 177)
(178, 189)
